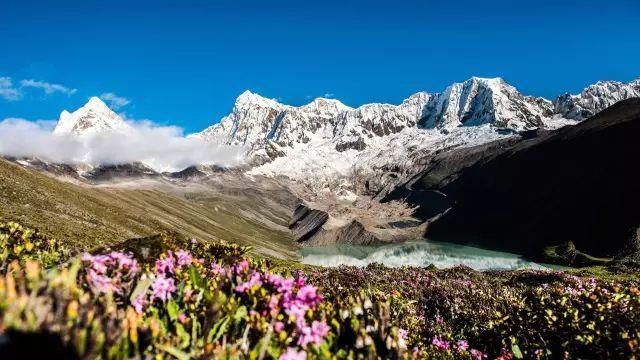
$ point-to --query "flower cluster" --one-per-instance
(110, 273)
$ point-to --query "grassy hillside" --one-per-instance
(89, 216)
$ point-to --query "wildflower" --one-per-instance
(292, 354)
(182, 318)
(162, 288)
(462, 345)
(477, 354)
(504, 355)
(440, 343)
(278, 327)
(308, 296)
(99, 282)
(166, 265)
(140, 303)
(217, 269)
(255, 280)
(313, 334)
(184, 258)
(403, 333)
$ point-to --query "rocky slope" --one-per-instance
(575, 188)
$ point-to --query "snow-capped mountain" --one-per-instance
(595, 98)
(328, 144)
(92, 118)
(259, 123)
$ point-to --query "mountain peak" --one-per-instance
(92, 118)
(248, 98)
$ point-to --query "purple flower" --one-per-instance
(477, 354)
(278, 327)
(140, 303)
(440, 343)
(99, 282)
(313, 334)
(162, 288)
(184, 258)
(255, 280)
(292, 354)
(403, 333)
(166, 265)
(462, 345)
(308, 296)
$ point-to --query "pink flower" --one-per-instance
(477, 354)
(166, 265)
(278, 327)
(440, 343)
(462, 345)
(139, 303)
(403, 333)
(99, 282)
(182, 318)
(162, 288)
(184, 258)
(254, 280)
(313, 334)
(217, 269)
(308, 296)
(292, 354)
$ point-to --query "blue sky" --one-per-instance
(184, 62)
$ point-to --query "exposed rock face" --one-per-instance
(578, 184)
(306, 222)
(354, 233)
(111, 172)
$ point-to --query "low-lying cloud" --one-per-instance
(163, 148)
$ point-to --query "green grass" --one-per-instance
(86, 217)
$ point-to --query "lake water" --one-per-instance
(420, 253)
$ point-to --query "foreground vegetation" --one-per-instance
(172, 298)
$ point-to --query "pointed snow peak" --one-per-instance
(325, 105)
(248, 98)
(92, 118)
(96, 103)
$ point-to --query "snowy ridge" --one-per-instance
(92, 118)
(329, 145)
(595, 98)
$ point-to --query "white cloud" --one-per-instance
(163, 148)
(48, 88)
(114, 101)
(7, 91)
(329, 95)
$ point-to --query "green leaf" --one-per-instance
(183, 335)
(515, 349)
(241, 313)
(218, 329)
(173, 310)
(178, 354)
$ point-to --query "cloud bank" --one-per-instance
(163, 148)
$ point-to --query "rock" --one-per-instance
(577, 184)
